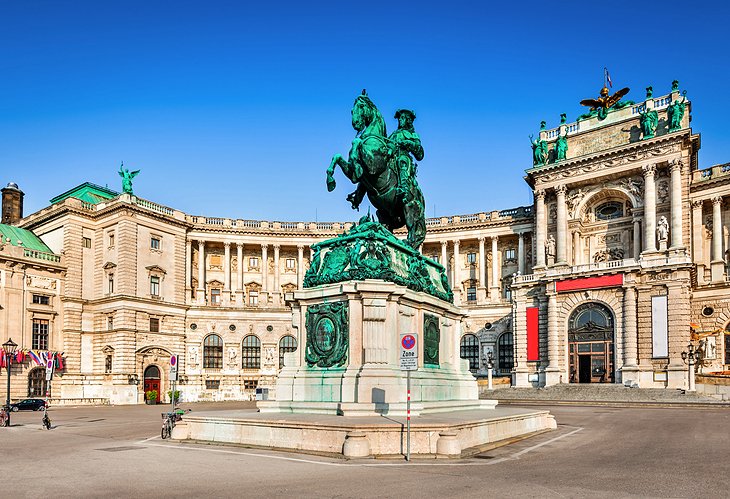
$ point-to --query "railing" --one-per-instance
(324, 225)
(289, 225)
(662, 102)
(153, 206)
(41, 255)
(88, 206)
(214, 221)
(251, 223)
(524, 278)
(711, 172)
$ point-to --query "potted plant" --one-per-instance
(151, 397)
(176, 396)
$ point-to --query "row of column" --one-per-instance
(496, 268)
(717, 257)
(650, 232)
(227, 289)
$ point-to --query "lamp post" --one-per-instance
(9, 347)
(490, 366)
(690, 356)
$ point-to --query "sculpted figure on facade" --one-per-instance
(561, 148)
(127, 177)
(550, 248)
(648, 120)
(675, 113)
(662, 229)
(539, 151)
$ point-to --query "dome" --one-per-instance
(12, 185)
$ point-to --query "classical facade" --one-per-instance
(598, 281)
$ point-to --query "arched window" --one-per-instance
(287, 344)
(251, 352)
(213, 352)
(505, 353)
(37, 384)
(470, 351)
(152, 372)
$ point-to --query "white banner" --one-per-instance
(659, 329)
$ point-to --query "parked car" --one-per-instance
(28, 405)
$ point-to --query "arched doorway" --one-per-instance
(590, 344)
(37, 384)
(152, 381)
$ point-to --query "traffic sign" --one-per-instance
(173, 368)
(50, 365)
(173, 361)
(408, 352)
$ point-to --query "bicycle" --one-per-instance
(168, 421)
(46, 420)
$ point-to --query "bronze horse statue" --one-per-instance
(373, 165)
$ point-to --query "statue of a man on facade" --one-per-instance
(127, 177)
(561, 148)
(539, 151)
(550, 247)
(648, 120)
(675, 113)
(662, 229)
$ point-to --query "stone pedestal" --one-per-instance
(349, 347)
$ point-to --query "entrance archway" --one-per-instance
(590, 344)
(152, 381)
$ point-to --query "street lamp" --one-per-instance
(690, 356)
(9, 347)
(490, 366)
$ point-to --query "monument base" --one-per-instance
(348, 359)
(456, 434)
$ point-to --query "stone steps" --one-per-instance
(600, 393)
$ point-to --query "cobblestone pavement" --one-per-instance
(595, 452)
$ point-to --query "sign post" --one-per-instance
(50, 366)
(173, 379)
(408, 363)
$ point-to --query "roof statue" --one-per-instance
(127, 177)
(605, 102)
(384, 168)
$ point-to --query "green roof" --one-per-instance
(27, 238)
(87, 192)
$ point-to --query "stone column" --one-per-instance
(496, 271)
(457, 269)
(552, 372)
(444, 256)
(201, 272)
(277, 270)
(698, 231)
(577, 253)
(630, 333)
(300, 265)
(482, 290)
(562, 226)
(241, 263)
(540, 227)
(649, 209)
(265, 268)
(718, 262)
(521, 253)
(188, 269)
(675, 167)
(226, 272)
(637, 238)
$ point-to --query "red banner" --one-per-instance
(533, 348)
(605, 281)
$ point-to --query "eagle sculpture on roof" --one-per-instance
(602, 104)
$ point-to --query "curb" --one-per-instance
(612, 403)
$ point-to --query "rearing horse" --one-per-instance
(371, 165)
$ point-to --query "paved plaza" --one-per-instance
(116, 451)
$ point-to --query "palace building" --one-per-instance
(599, 281)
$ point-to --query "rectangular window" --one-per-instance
(154, 325)
(155, 285)
(86, 242)
(253, 298)
(249, 384)
(509, 254)
(253, 261)
(108, 364)
(471, 294)
(111, 283)
(155, 243)
(435, 258)
(111, 239)
(212, 384)
(290, 263)
(215, 295)
(471, 258)
(110, 323)
(40, 334)
(41, 300)
(507, 292)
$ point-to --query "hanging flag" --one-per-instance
(608, 77)
(34, 356)
(2, 358)
(59, 361)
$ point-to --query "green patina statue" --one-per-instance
(384, 168)
(539, 151)
(675, 113)
(675, 86)
(649, 119)
(649, 92)
(127, 177)
(561, 148)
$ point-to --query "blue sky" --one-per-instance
(235, 110)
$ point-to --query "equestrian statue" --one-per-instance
(384, 168)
